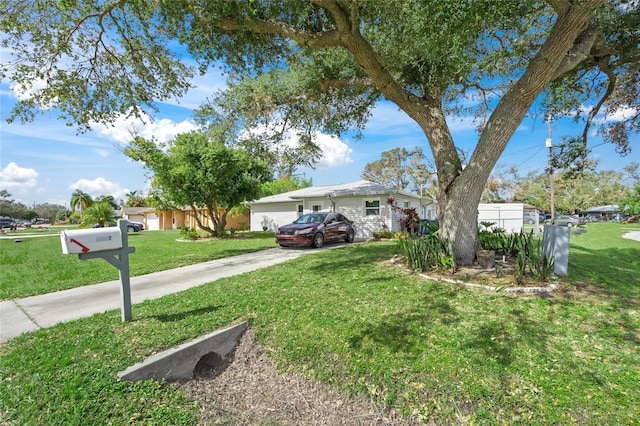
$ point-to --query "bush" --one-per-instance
(189, 233)
(384, 235)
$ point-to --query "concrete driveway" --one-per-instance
(32, 313)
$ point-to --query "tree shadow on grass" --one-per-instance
(179, 316)
(500, 339)
(406, 331)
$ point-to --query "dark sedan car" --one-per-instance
(134, 226)
(314, 229)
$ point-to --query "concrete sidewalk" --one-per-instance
(32, 313)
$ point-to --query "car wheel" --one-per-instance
(130, 229)
(530, 221)
(570, 225)
(318, 240)
(350, 236)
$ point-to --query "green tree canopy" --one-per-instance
(572, 193)
(323, 64)
(80, 200)
(109, 199)
(100, 213)
(401, 169)
(285, 184)
(135, 199)
(200, 171)
(631, 204)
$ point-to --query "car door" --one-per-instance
(331, 226)
(343, 226)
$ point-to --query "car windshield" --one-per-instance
(311, 218)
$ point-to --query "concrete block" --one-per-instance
(181, 362)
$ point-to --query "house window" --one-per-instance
(316, 207)
(300, 210)
(406, 204)
(372, 208)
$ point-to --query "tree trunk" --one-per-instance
(458, 217)
(460, 188)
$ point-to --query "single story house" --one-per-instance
(363, 202)
(160, 220)
(602, 213)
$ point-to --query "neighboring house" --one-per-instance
(363, 202)
(160, 220)
(134, 214)
(601, 213)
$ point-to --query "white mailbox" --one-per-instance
(90, 240)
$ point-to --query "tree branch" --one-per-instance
(580, 51)
(344, 83)
(610, 88)
(284, 29)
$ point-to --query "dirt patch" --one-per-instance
(250, 390)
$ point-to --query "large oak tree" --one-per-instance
(323, 64)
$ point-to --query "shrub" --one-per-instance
(384, 235)
(189, 233)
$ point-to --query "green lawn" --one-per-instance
(37, 265)
(452, 354)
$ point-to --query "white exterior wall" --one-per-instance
(354, 209)
(507, 216)
(272, 215)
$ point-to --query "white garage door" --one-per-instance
(152, 222)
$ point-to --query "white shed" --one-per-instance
(363, 202)
(507, 216)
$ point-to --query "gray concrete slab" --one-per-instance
(634, 235)
(13, 320)
(46, 310)
(182, 361)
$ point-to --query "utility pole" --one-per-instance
(549, 144)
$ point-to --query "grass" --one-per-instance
(450, 354)
(37, 265)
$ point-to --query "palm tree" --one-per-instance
(99, 213)
(80, 199)
(134, 199)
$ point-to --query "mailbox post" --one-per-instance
(110, 244)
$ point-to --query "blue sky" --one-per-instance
(44, 161)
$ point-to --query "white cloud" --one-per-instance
(16, 178)
(101, 152)
(620, 114)
(334, 152)
(124, 129)
(24, 91)
(100, 186)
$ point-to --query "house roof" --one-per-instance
(358, 188)
(603, 209)
(135, 210)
